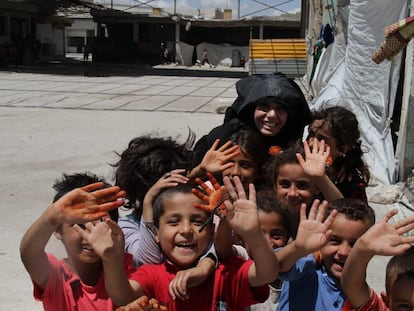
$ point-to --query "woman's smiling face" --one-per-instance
(270, 118)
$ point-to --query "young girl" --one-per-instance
(298, 176)
(243, 155)
(248, 163)
(338, 127)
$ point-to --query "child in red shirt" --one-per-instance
(236, 283)
(77, 282)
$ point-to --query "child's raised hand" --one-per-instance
(216, 161)
(387, 239)
(170, 179)
(316, 159)
(214, 197)
(314, 231)
(105, 237)
(241, 211)
(143, 303)
(81, 205)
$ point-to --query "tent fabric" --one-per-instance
(221, 54)
(184, 53)
(347, 76)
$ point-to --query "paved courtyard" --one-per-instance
(51, 123)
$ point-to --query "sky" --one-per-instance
(247, 7)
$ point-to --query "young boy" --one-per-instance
(311, 282)
(389, 240)
(235, 284)
(274, 221)
(77, 282)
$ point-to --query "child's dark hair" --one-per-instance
(354, 209)
(158, 206)
(68, 182)
(398, 267)
(266, 202)
(146, 160)
(252, 145)
(343, 125)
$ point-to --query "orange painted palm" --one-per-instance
(214, 198)
(143, 303)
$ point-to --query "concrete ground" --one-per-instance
(55, 123)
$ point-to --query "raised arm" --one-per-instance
(313, 233)
(243, 218)
(216, 160)
(148, 251)
(214, 199)
(383, 238)
(77, 206)
(314, 165)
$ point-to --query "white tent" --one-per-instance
(347, 76)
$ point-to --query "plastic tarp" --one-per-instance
(221, 54)
(184, 53)
(347, 76)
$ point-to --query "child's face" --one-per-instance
(78, 250)
(178, 232)
(321, 130)
(345, 232)
(244, 167)
(293, 187)
(402, 295)
(273, 228)
(270, 118)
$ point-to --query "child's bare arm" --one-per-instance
(216, 160)
(314, 165)
(147, 249)
(243, 218)
(170, 179)
(313, 233)
(223, 240)
(77, 206)
(383, 238)
(192, 277)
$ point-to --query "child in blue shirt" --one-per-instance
(312, 282)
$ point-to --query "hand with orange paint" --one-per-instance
(143, 303)
(214, 197)
(85, 204)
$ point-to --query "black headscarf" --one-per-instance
(250, 91)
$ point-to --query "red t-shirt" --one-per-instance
(225, 290)
(375, 303)
(65, 291)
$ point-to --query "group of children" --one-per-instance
(235, 223)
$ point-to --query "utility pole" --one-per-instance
(304, 18)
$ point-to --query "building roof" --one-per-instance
(282, 21)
